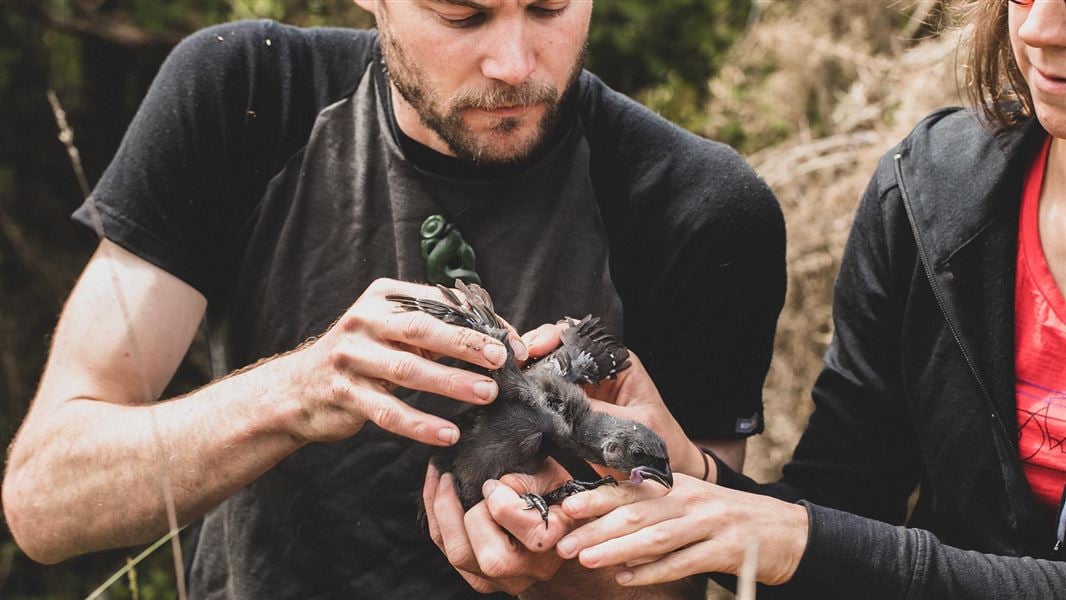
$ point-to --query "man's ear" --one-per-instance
(370, 6)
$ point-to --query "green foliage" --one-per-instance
(664, 51)
(100, 57)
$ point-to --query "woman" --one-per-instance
(946, 373)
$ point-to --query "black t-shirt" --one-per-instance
(264, 168)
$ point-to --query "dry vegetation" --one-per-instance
(823, 89)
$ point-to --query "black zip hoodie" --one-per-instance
(917, 388)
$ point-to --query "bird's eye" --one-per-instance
(612, 450)
(555, 403)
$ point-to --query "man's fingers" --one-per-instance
(521, 353)
(448, 512)
(429, 333)
(391, 414)
(429, 495)
(511, 511)
(411, 371)
(499, 558)
(480, 584)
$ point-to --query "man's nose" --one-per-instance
(510, 56)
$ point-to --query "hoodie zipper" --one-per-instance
(1060, 530)
(928, 268)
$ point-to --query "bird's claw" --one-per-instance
(556, 496)
(538, 502)
(572, 487)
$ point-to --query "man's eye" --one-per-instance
(468, 21)
(543, 11)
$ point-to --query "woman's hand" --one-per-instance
(697, 527)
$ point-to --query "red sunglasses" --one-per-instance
(1025, 2)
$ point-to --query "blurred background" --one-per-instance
(812, 92)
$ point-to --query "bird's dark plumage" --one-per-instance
(541, 411)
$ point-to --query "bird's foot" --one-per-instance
(556, 496)
(572, 487)
(538, 502)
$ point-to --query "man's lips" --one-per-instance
(509, 111)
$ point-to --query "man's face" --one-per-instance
(482, 79)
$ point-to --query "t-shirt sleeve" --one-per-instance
(698, 257)
(229, 105)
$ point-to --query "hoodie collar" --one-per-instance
(953, 147)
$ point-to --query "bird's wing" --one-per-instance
(474, 310)
(588, 353)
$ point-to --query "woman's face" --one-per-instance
(1038, 38)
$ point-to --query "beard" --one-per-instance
(445, 116)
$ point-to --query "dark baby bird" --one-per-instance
(541, 411)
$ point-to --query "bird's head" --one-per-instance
(633, 448)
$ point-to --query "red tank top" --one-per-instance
(1040, 352)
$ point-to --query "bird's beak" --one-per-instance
(664, 477)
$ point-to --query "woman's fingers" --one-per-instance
(676, 565)
(658, 539)
(647, 518)
(606, 498)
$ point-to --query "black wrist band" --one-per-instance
(706, 463)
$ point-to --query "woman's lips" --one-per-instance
(1047, 83)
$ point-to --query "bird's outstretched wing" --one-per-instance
(588, 353)
(474, 310)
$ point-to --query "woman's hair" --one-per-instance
(994, 82)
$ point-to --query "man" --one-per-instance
(272, 176)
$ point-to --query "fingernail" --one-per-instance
(448, 435)
(486, 390)
(623, 577)
(574, 505)
(520, 350)
(488, 487)
(531, 338)
(566, 547)
(494, 353)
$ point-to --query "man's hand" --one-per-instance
(697, 527)
(499, 545)
(346, 377)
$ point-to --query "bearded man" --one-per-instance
(272, 177)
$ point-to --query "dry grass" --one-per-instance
(845, 84)
(823, 90)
